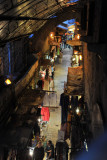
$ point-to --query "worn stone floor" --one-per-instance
(53, 99)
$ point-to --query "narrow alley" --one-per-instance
(53, 80)
(50, 131)
(60, 77)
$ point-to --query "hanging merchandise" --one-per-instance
(64, 102)
(46, 101)
(74, 101)
(85, 144)
(58, 51)
(68, 129)
(45, 113)
(12, 154)
(42, 72)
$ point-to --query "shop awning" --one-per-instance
(32, 97)
(75, 80)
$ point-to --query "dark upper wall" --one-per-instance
(15, 56)
(93, 22)
(22, 47)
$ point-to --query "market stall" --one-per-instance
(75, 80)
(22, 131)
(44, 68)
(32, 97)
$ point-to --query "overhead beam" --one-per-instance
(14, 18)
(58, 4)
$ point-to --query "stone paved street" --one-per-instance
(60, 77)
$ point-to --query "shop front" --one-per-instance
(76, 59)
(77, 121)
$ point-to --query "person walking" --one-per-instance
(38, 152)
(47, 73)
(50, 151)
(52, 68)
(40, 84)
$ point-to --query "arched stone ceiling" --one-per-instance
(22, 17)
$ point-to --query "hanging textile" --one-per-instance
(75, 80)
(45, 113)
(64, 102)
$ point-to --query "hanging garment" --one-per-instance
(46, 101)
(74, 101)
(45, 113)
(64, 102)
(53, 99)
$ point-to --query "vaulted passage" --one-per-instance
(53, 79)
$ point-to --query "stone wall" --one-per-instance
(95, 90)
(9, 94)
(4, 60)
(24, 81)
(14, 57)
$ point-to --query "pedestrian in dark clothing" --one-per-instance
(47, 73)
(64, 102)
(74, 101)
(40, 84)
(50, 150)
(39, 152)
(52, 68)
